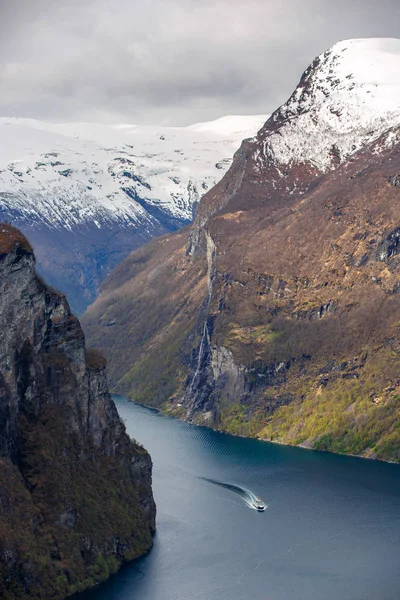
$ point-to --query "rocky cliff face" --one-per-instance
(75, 491)
(276, 313)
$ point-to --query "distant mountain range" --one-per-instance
(87, 194)
(276, 314)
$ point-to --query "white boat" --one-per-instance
(259, 505)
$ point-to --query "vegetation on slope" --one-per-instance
(43, 556)
(152, 339)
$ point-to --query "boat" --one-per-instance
(259, 505)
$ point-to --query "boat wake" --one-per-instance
(247, 496)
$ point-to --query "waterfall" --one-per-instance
(199, 358)
(203, 348)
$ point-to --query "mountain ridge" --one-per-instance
(274, 314)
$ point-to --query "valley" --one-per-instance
(237, 286)
(275, 314)
(88, 194)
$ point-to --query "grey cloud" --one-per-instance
(164, 61)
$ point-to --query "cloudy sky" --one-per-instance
(168, 62)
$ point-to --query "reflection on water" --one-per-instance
(331, 531)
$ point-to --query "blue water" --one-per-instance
(331, 530)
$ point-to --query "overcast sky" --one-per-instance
(168, 62)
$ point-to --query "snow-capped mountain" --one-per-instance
(294, 335)
(347, 98)
(102, 183)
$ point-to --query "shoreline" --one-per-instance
(171, 415)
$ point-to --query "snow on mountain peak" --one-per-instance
(347, 98)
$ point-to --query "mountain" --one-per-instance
(87, 194)
(276, 313)
(75, 491)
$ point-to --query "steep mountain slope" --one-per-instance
(95, 192)
(276, 313)
(75, 491)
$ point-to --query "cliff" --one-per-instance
(276, 313)
(75, 491)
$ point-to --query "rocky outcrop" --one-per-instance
(75, 491)
(394, 180)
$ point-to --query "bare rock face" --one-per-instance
(75, 491)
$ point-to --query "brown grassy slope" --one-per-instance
(324, 248)
(148, 308)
